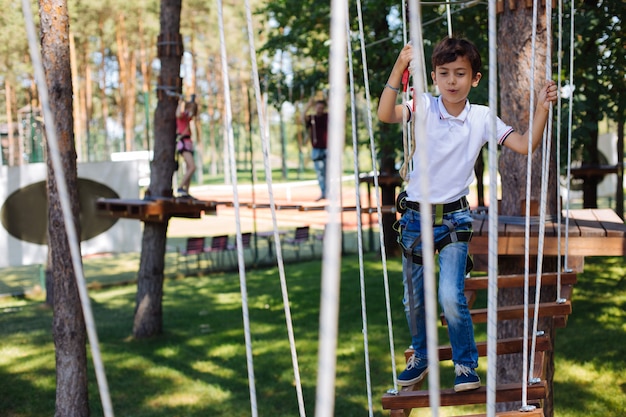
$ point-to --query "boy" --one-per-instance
(456, 130)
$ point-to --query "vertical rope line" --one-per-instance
(558, 151)
(355, 145)
(547, 147)
(430, 292)
(569, 132)
(449, 17)
(331, 260)
(268, 177)
(527, 223)
(231, 152)
(383, 250)
(492, 292)
(70, 228)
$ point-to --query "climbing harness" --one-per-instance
(453, 235)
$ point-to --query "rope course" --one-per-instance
(413, 137)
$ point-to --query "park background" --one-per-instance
(121, 107)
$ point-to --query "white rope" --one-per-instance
(427, 239)
(383, 250)
(559, 230)
(569, 133)
(355, 145)
(268, 177)
(331, 259)
(449, 18)
(492, 290)
(231, 153)
(547, 147)
(525, 405)
(70, 228)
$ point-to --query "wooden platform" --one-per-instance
(420, 399)
(157, 210)
(591, 232)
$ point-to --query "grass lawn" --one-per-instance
(198, 366)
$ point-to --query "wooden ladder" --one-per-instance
(401, 403)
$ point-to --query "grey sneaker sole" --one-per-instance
(467, 386)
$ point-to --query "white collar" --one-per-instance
(444, 115)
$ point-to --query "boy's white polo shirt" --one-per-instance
(453, 144)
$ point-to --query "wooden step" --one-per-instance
(517, 281)
(504, 346)
(504, 393)
(538, 412)
(516, 312)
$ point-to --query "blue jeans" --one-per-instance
(319, 162)
(452, 260)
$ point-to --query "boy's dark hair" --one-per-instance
(449, 49)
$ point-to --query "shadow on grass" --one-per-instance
(198, 367)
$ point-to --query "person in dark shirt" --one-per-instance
(317, 125)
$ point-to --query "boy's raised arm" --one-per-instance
(388, 110)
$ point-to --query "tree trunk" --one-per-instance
(103, 86)
(68, 322)
(514, 66)
(148, 309)
(128, 86)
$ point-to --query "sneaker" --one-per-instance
(182, 193)
(466, 378)
(416, 370)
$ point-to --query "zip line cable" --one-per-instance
(70, 228)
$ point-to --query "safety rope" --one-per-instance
(70, 228)
(231, 153)
(558, 151)
(426, 227)
(331, 258)
(547, 146)
(358, 196)
(569, 133)
(268, 178)
(492, 261)
(527, 216)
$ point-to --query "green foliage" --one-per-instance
(599, 73)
